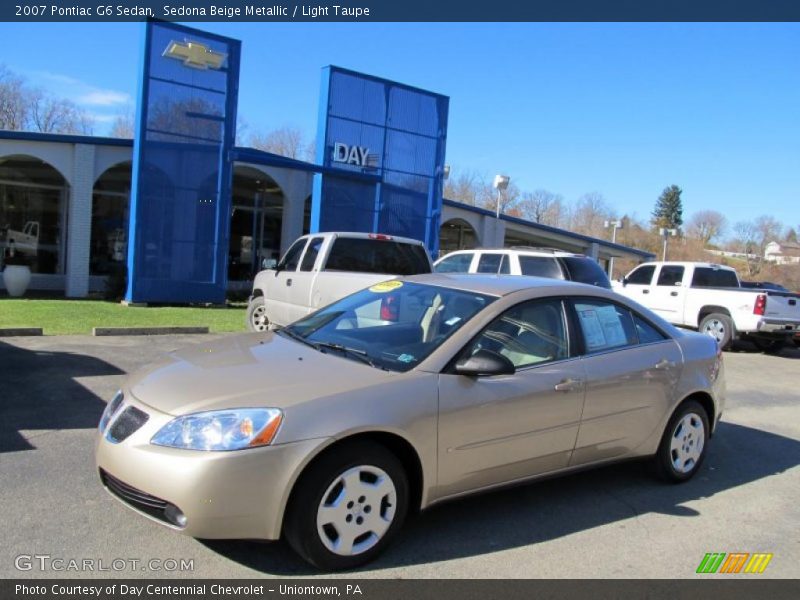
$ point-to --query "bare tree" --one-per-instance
(49, 114)
(590, 212)
(13, 101)
(285, 141)
(123, 125)
(542, 206)
(768, 229)
(707, 225)
(466, 187)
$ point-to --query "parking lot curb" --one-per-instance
(18, 331)
(108, 331)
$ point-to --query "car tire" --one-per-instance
(720, 327)
(347, 506)
(684, 443)
(768, 346)
(256, 318)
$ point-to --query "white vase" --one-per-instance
(16, 279)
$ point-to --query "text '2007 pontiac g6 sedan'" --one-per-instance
(400, 396)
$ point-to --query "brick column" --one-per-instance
(79, 232)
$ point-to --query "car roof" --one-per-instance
(529, 250)
(364, 236)
(501, 285)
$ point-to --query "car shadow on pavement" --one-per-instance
(39, 392)
(553, 508)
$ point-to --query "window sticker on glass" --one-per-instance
(386, 286)
(612, 326)
(602, 327)
(592, 330)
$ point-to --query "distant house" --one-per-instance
(782, 253)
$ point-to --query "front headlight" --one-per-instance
(221, 430)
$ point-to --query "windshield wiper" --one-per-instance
(354, 352)
(296, 336)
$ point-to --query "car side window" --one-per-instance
(530, 333)
(455, 263)
(310, 257)
(505, 268)
(489, 263)
(642, 275)
(605, 325)
(291, 259)
(647, 333)
(670, 275)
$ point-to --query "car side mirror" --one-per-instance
(485, 363)
(624, 281)
(278, 268)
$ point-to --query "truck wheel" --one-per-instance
(256, 318)
(720, 327)
(768, 346)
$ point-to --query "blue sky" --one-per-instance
(622, 109)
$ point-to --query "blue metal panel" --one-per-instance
(180, 196)
(403, 131)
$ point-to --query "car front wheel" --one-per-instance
(256, 318)
(347, 507)
(683, 446)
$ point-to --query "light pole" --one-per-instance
(666, 232)
(500, 183)
(615, 224)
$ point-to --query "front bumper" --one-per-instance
(223, 495)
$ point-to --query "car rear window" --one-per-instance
(585, 270)
(709, 277)
(364, 255)
(540, 266)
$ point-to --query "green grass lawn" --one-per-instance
(60, 317)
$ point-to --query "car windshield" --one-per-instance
(392, 325)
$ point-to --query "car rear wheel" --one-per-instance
(683, 446)
(256, 318)
(720, 327)
(347, 507)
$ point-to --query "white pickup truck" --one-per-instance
(321, 268)
(708, 297)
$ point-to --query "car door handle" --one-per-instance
(288, 283)
(567, 385)
(664, 364)
(673, 293)
(645, 291)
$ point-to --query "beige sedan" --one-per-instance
(401, 396)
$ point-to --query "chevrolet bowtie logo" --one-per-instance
(195, 55)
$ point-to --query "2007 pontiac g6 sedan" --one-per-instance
(403, 395)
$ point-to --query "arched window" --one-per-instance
(32, 213)
(110, 213)
(456, 234)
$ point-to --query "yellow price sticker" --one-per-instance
(386, 286)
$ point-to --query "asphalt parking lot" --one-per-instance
(614, 522)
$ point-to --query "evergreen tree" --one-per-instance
(669, 208)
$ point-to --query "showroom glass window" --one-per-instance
(32, 213)
(110, 202)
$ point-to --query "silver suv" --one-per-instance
(524, 260)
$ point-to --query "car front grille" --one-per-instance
(151, 505)
(126, 424)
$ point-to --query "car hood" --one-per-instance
(253, 370)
